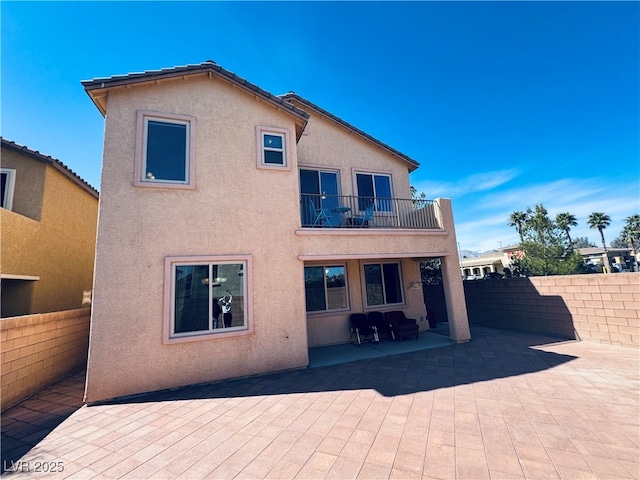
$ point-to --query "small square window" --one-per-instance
(272, 148)
(164, 150)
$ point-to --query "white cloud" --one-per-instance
(483, 224)
(479, 182)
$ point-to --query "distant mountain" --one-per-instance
(468, 254)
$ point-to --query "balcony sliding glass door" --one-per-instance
(319, 196)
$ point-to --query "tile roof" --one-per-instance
(413, 164)
(57, 164)
(282, 101)
(205, 67)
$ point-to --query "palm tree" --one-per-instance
(600, 221)
(518, 219)
(565, 221)
(631, 230)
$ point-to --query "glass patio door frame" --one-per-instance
(322, 192)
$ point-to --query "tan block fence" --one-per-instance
(601, 308)
(39, 349)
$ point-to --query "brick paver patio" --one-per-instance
(504, 406)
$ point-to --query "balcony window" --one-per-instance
(319, 191)
(374, 188)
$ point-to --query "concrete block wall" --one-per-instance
(39, 349)
(601, 308)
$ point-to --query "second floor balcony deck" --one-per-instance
(353, 212)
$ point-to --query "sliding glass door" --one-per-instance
(318, 192)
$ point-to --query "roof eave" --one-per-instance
(49, 160)
(98, 88)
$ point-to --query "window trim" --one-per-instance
(322, 169)
(374, 173)
(10, 187)
(364, 286)
(142, 119)
(324, 266)
(261, 131)
(168, 337)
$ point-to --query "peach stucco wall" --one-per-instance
(385, 244)
(325, 144)
(334, 328)
(234, 209)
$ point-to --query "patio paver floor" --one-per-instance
(506, 405)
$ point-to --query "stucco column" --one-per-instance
(451, 278)
(454, 297)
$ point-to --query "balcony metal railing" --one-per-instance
(346, 211)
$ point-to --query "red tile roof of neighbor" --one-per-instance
(55, 163)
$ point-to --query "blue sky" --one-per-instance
(504, 104)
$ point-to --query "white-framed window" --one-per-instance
(374, 188)
(207, 297)
(164, 150)
(325, 287)
(272, 148)
(383, 284)
(8, 179)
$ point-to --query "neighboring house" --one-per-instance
(489, 262)
(497, 260)
(48, 221)
(238, 229)
(619, 258)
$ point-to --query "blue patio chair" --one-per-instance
(363, 221)
(317, 216)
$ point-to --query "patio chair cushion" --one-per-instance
(401, 325)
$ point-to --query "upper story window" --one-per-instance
(206, 296)
(319, 191)
(374, 188)
(8, 179)
(272, 148)
(164, 150)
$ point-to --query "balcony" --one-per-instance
(345, 211)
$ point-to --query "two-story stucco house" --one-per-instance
(238, 229)
(48, 221)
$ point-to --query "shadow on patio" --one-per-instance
(489, 355)
(24, 425)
